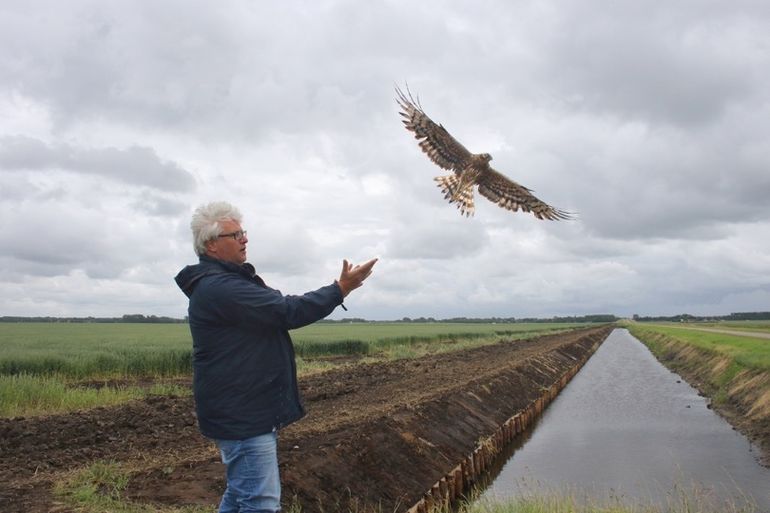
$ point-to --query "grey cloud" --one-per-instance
(649, 119)
(437, 239)
(276, 246)
(135, 165)
(157, 205)
(660, 62)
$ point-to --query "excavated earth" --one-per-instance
(376, 436)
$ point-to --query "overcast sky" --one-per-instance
(649, 119)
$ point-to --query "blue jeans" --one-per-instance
(253, 484)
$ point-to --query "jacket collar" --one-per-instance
(188, 278)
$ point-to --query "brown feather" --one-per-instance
(500, 189)
(470, 169)
(443, 149)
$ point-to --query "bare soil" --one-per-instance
(376, 435)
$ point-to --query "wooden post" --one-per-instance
(459, 482)
(443, 490)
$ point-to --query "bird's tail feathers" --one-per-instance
(457, 192)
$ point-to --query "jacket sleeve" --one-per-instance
(250, 304)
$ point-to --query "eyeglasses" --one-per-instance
(239, 235)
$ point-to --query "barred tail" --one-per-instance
(456, 191)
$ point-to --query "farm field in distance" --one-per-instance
(54, 338)
(761, 326)
(40, 362)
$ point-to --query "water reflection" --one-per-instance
(628, 429)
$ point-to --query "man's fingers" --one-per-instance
(345, 266)
(368, 265)
(358, 272)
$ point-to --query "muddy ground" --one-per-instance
(376, 435)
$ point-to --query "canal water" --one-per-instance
(627, 430)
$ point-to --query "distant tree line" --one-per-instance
(135, 318)
(738, 316)
(490, 320)
(139, 318)
(155, 319)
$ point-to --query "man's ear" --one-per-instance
(211, 247)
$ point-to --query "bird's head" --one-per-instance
(486, 157)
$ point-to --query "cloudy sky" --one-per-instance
(651, 120)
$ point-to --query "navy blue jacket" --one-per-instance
(244, 374)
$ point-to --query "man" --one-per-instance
(244, 373)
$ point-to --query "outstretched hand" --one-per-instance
(353, 277)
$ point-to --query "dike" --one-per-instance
(501, 409)
(740, 395)
(427, 454)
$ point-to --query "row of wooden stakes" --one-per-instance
(460, 480)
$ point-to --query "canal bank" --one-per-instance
(629, 431)
(473, 470)
(740, 393)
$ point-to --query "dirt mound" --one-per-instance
(376, 435)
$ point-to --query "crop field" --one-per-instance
(43, 364)
(87, 350)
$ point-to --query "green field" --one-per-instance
(763, 326)
(41, 364)
(88, 350)
(746, 351)
(748, 326)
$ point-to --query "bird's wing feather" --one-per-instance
(508, 194)
(443, 149)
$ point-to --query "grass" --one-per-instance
(678, 502)
(745, 351)
(365, 339)
(733, 370)
(761, 326)
(538, 497)
(40, 362)
(99, 488)
(88, 350)
(25, 395)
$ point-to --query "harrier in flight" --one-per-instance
(470, 169)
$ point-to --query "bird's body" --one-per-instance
(470, 169)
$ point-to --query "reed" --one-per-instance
(679, 498)
(25, 395)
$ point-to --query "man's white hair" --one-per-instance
(207, 221)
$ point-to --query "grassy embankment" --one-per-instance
(43, 366)
(734, 371)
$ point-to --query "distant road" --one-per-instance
(752, 334)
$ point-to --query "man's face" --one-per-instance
(228, 247)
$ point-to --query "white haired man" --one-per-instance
(244, 373)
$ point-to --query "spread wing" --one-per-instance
(500, 189)
(443, 149)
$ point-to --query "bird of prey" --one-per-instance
(470, 169)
